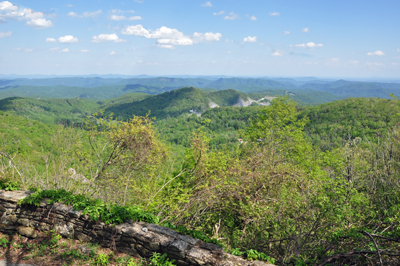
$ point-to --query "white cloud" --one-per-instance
(309, 45)
(133, 48)
(182, 41)
(54, 49)
(116, 10)
(138, 1)
(137, 30)
(305, 30)
(276, 53)
(232, 16)
(122, 11)
(69, 5)
(26, 50)
(5, 34)
(207, 4)
(51, 40)
(113, 53)
(68, 39)
(166, 46)
(274, 13)
(85, 14)
(286, 32)
(250, 39)
(30, 14)
(92, 14)
(253, 18)
(135, 18)
(39, 23)
(165, 32)
(66, 50)
(34, 19)
(398, 50)
(353, 62)
(72, 14)
(168, 36)
(7, 6)
(107, 38)
(219, 13)
(117, 17)
(84, 51)
(376, 53)
(335, 59)
(208, 36)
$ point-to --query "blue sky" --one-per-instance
(325, 38)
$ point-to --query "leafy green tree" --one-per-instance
(278, 126)
(123, 156)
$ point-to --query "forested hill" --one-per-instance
(369, 118)
(62, 111)
(177, 102)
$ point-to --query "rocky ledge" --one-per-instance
(138, 239)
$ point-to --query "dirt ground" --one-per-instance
(51, 249)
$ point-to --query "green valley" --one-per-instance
(251, 172)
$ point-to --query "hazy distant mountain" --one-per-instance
(114, 86)
(248, 85)
(346, 88)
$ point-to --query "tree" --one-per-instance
(122, 153)
(279, 127)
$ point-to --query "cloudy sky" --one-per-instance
(323, 38)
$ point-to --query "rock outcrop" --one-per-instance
(243, 103)
(133, 238)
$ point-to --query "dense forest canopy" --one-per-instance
(300, 184)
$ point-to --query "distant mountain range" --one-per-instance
(307, 90)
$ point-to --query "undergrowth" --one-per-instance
(161, 260)
(114, 214)
(8, 184)
(97, 209)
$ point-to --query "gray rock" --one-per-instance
(24, 222)
(82, 236)
(14, 196)
(178, 248)
(61, 208)
(129, 250)
(199, 256)
(74, 214)
(143, 251)
(66, 230)
(27, 231)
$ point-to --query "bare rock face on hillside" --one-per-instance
(243, 103)
(213, 104)
(138, 239)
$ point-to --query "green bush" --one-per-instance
(97, 209)
(161, 260)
